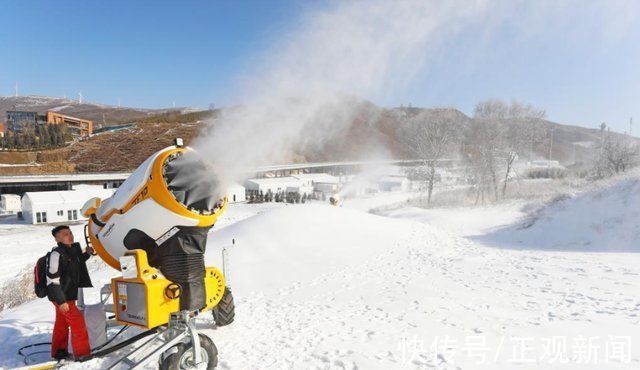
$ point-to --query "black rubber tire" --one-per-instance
(225, 311)
(176, 360)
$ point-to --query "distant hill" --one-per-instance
(373, 129)
(100, 114)
(376, 127)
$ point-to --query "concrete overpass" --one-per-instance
(22, 184)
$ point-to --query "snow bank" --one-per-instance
(603, 220)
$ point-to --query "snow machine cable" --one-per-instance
(117, 346)
(125, 327)
(27, 356)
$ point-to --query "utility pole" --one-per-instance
(602, 127)
(226, 271)
(550, 147)
(16, 90)
(80, 97)
(630, 125)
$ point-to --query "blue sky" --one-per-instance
(147, 53)
(578, 64)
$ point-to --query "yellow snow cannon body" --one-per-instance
(154, 229)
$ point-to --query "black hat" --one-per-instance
(56, 229)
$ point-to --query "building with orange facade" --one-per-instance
(76, 126)
(18, 121)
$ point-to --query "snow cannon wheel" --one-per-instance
(181, 357)
(225, 311)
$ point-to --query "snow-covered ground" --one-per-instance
(21, 245)
(336, 287)
(374, 201)
(600, 220)
(463, 221)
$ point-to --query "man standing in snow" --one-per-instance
(66, 272)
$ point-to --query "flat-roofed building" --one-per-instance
(10, 203)
(59, 206)
(321, 182)
(275, 184)
(18, 121)
(76, 126)
(236, 193)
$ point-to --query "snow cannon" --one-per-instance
(334, 200)
(154, 230)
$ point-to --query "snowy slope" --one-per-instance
(602, 220)
(300, 242)
(326, 287)
(404, 281)
(463, 221)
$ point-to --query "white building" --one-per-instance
(58, 206)
(301, 189)
(543, 163)
(236, 193)
(89, 187)
(10, 203)
(393, 183)
(275, 184)
(322, 182)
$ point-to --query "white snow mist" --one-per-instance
(304, 93)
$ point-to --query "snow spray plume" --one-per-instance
(303, 95)
(368, 176)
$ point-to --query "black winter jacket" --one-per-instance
(66, 272)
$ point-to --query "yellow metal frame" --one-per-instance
(158, 306)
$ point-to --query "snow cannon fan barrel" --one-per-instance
(165, 208)
(334, 200)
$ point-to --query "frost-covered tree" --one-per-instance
(481, 150)
(617, 154)
(430, 136)
(517, 125)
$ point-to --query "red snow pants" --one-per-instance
(79, 337)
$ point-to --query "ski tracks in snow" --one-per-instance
(398, 308)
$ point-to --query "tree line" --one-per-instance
(616, 154)
(38, 137)
(282, 197)
(489, 144)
